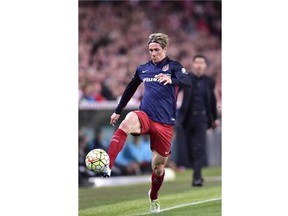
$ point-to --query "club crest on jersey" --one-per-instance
(165, 67)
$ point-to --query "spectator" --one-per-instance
(96, 92)
(88, 93)
(140, 153)
(125, 163)
(108, 29)
(97, 142)
(83, 149)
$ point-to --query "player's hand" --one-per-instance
(163, 78)
(114, 118)
(215, 124)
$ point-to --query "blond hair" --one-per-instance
(159, 38)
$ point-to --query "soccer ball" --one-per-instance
(96, 160)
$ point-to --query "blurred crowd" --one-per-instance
(113, 41)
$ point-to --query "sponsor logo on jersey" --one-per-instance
(144, 71)
(150, 79)
(165, 67)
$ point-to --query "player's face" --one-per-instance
(199, 65)
(157, 53)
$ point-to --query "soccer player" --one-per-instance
(157, 111)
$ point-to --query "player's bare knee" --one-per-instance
(125, 126)
(158, 170)
(129, 122)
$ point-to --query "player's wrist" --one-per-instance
(173, 81)
(117, 111)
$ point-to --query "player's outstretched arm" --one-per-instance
(128, 93)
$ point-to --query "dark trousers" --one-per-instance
(195, 136)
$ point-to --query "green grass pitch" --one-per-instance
(133, 199)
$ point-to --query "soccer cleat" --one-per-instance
(154, 204)
(197, 182)
(106, 172)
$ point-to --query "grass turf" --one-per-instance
(133, 199)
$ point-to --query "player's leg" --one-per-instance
(130, 124)
(158, 173)
(192, 150)
(198, 151)
(161, 138)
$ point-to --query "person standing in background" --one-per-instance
(197, 113)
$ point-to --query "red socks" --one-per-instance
(116, 145)
(155, 185)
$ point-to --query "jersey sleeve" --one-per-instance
(180, 76)
(128, 93)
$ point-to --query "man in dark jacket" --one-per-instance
(197, 114)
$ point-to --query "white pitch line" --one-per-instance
(192, 203)
(183, 205)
